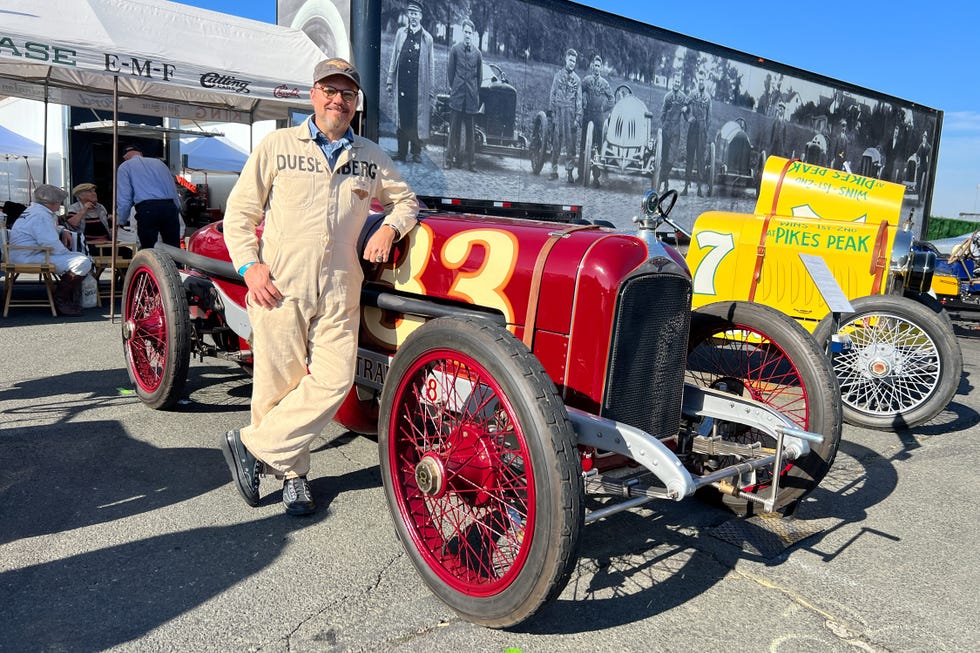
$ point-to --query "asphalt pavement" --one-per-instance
(120, 530)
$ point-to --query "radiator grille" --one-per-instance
(645, 384)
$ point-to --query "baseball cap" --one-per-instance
(47, 194)
(81, 188)
(336, 66)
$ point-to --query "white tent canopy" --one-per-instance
(170, 59)
(153, 58)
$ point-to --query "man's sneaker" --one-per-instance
(245, 468)
(296, 496)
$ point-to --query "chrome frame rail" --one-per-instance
(677, 482)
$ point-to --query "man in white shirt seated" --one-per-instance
(38, 227)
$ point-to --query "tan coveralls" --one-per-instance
(313, 217)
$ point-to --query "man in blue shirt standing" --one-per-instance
(148, 185)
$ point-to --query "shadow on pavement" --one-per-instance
(94, 475)
(637, 564)
(100, 599)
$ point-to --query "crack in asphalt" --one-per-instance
(845, 632)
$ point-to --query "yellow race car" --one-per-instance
(898, 363)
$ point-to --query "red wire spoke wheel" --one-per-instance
(156, 329)
(757, 352)
(481, 471)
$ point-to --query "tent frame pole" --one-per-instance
(115, 194)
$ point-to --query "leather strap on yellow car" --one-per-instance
(533, 294)
(879, 263)
(760, 252)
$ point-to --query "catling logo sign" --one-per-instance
(221, 80)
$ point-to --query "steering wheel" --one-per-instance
(659, 205)
(969, 248)
(623, 90)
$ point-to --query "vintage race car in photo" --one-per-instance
(495, 126)
(628, 144)
(508, 367)
(733, 162)
(900, 363)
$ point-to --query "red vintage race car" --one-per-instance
(507, 367)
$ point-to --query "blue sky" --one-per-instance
(924, 52)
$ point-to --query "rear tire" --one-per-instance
(481, 470)
(755, 351)
(658, 154)
(711, 169)
(156, 329)
(538, 148)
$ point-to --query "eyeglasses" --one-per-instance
(330, 92)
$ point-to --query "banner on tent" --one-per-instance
(103, 102)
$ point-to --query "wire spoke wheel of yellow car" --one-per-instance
(759, 353)
(156, 329)
(903, 364)
(481, 471)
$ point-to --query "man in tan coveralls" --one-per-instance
(313, 184)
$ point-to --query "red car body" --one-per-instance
(491, 263)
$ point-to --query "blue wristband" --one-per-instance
(241, 270)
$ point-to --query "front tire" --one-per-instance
(712, 152)
(585, 167)
(758, 352)
(156, 329)
(658, 154)
(481, 470)
(904, 365)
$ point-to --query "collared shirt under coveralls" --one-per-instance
(313, 218)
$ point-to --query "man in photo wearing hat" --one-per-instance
(777, 132)
(671, 120)
(38, 227)
(410, 74)
(566, 107)
(313, 184)
(148, 185)
(923, 154)
(86, 216)
(464, 71)
(698, 120)
(839, 146)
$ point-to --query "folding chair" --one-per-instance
(44, 270)
(101, 253)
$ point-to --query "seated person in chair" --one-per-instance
(87, 216)
(38, 227)
(91, 219)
